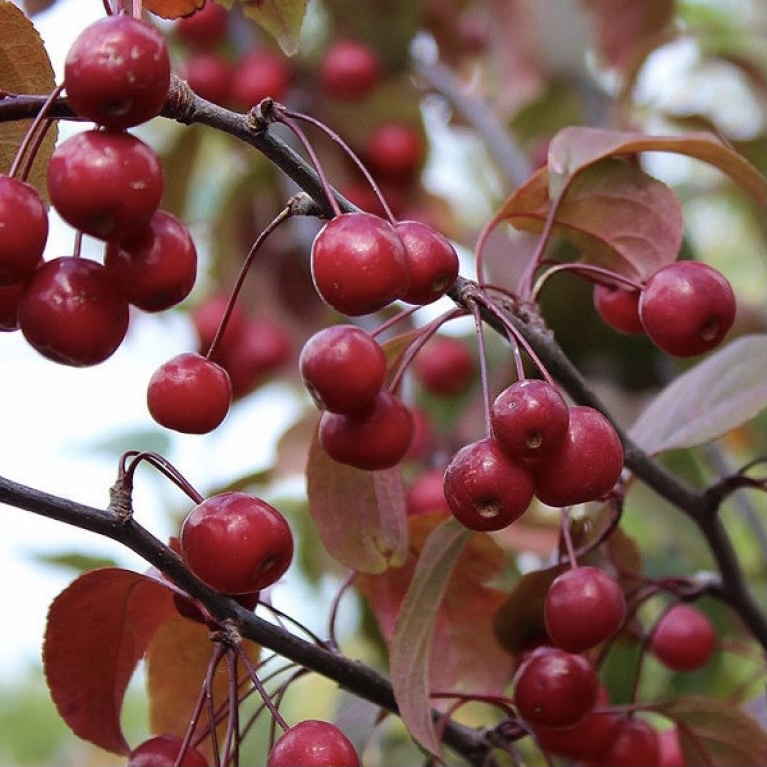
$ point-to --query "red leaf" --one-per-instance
(618, 216)
(724, 391)
(98, 630)
(716, 733)
(360, 514)
(436, 614)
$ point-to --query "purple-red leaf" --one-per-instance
(716, 733)
(98, 630)
(618, 217)
(360, 515)
(436, 614)
(725, 390)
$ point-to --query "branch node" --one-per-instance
(261, 116)
(121, 501)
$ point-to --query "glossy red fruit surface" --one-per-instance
(107, 184)
(313, 743)
(687, 308)
(157, 270)
(359, 264)
(445, 366)
(485, 489)
(395, 151)
(584, 607)
(205, 28)
(631, 742)
(433, 262)
(236, 543)
(189, 394)
(554, 688)
(343, 368)
(349, 70)
(23, 230)
(376, 438)
(684, 638)
(163, 750)
(618, 308)
(71, 312)
(117, 72)
(259, 74)
(585, 466)
(530, 419)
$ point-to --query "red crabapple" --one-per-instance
(619, 308)
(683, 639)
(162, 750)
(687, 308)
(236, 543)
(376, 438)
(190, 394)
(71, 312)
(117, 72)
(343, 367)
(444, 366)
(258, 74)
(205, 28)
(584, 607)
(585, 466)
(484, 488)
(313, 743)
(630, 742)
(359, 264)
(24, 228)
(395, 151)
(349, 70)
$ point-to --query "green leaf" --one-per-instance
(716, 733)
(411, 643)
(725, 390)
(24, 69)
(360, 514)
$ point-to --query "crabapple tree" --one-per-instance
(513, 285)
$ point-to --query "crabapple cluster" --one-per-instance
(107, 184)
(685, 308)
(539, 447)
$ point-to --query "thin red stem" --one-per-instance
(588, 269)
(483, 376)
(34, 136)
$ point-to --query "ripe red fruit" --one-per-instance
(10, 295)
(190, 394)
(484, 488)
(259, 74)
(158, 269)
(427, 494)
(395, 151)
(313, 743)
(209, 75)
(585, 466)
(359, 264)
(107, 184)
(687, 308)
(236, 543)
(163, 750)
(262, 348)
(584, 607)
(24, 228)
(530, 419)
(683, 639)
(205, 28)
(670, 749)
(618, 308)
(631, 742)
(554, 688)
(444, 366)
(376, 438)
(349, 70)
(71, 312)
(433, 262)
(117, 72)
(343, 367)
